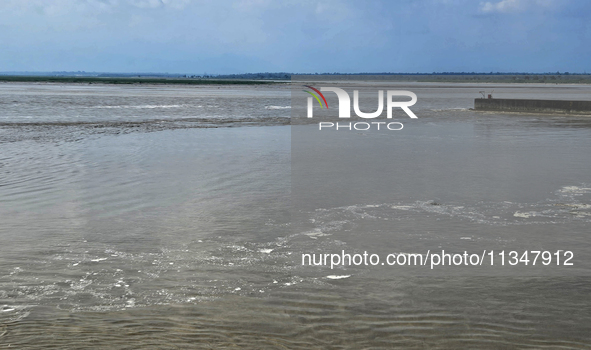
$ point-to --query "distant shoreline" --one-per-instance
(129, 80)
(419, 78)
(552, 79)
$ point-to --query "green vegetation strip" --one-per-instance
(101, 80)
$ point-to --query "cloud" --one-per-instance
(512, 6)
(221, 36)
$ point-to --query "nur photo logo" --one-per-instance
(344, 107)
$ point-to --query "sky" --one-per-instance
(299, 36)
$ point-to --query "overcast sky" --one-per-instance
(305, 36)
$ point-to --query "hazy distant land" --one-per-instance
(266, 78)
(126, 80)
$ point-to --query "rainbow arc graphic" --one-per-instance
(316, 96)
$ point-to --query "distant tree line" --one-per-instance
(287, 76)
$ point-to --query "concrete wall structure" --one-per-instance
(544, 106)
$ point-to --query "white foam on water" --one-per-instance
(111, 289)
(7, 308)
(449, 109)
(402, 207)
(316, 233)
(575, 189)
(337, 277)
(14, 313)
(277, 107)
(137, 107)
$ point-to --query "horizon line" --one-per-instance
(187, 75)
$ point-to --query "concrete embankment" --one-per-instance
(543, 106)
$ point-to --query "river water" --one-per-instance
(165, 217)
